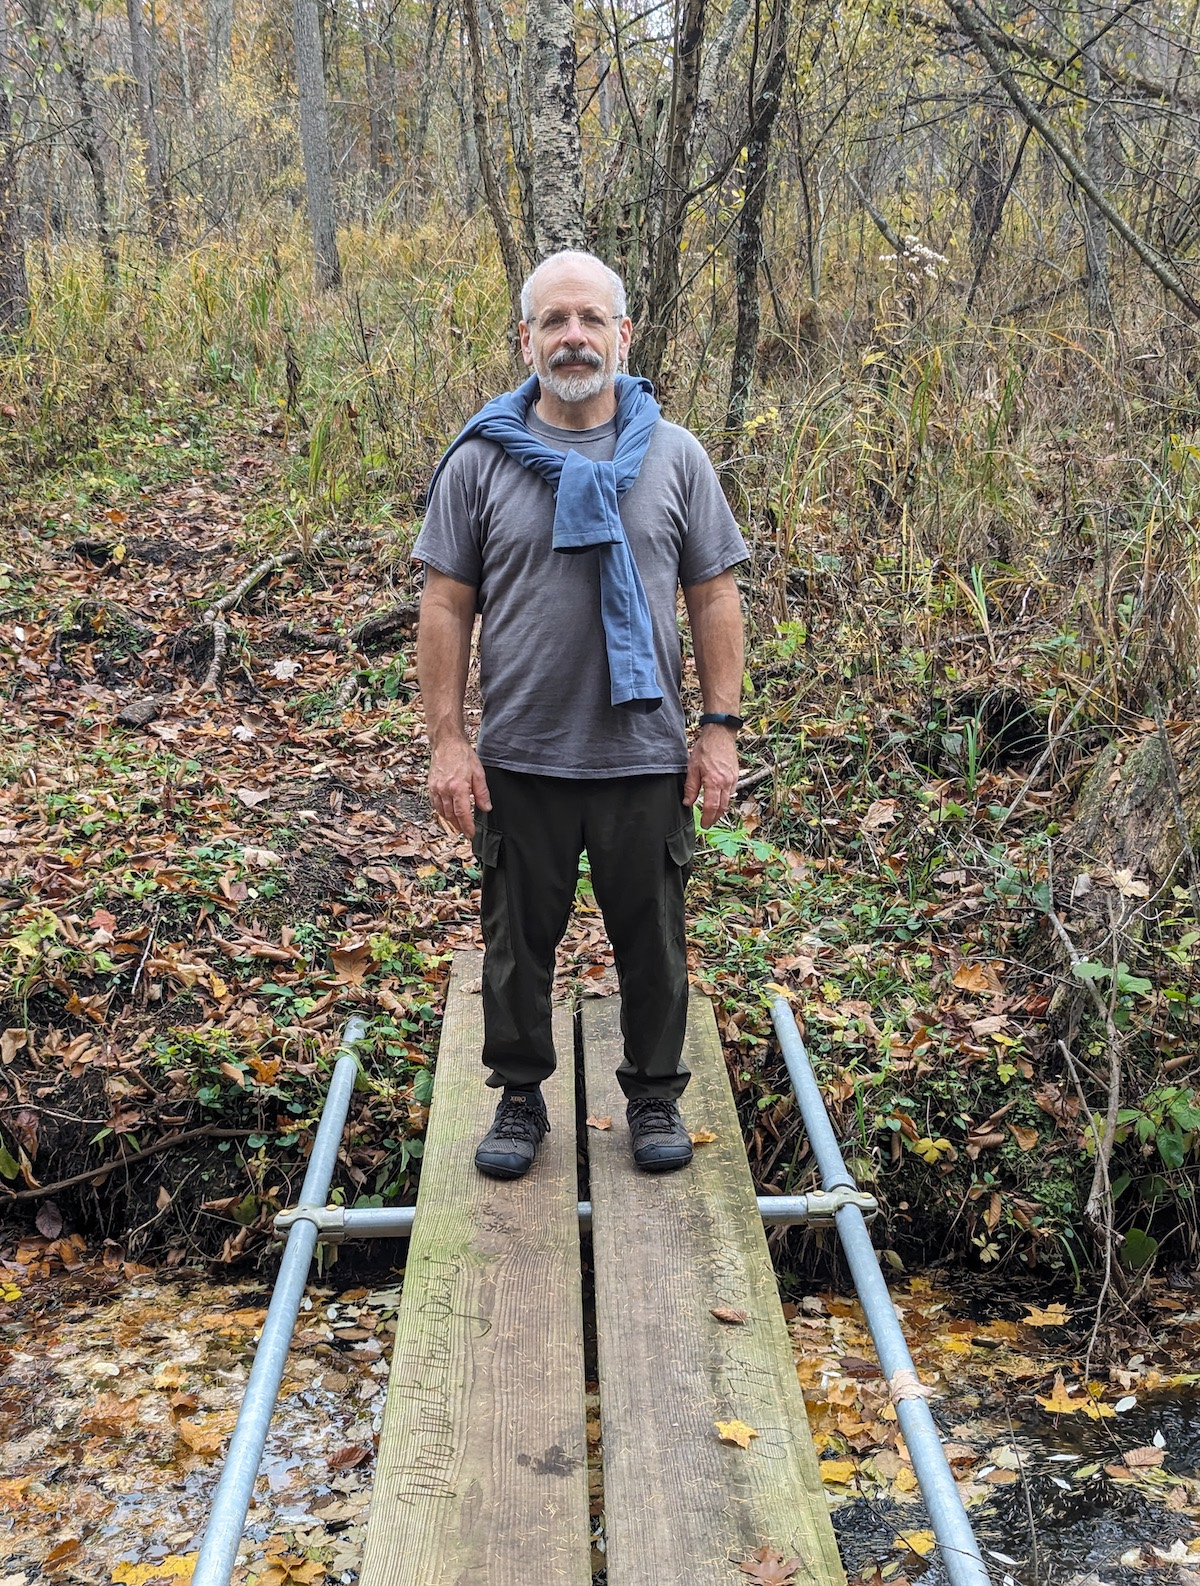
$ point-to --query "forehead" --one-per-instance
(571, 285)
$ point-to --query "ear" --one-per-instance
(624, 337)
(526, 344)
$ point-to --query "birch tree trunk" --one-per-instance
(557, 163)
(497, 207)
(14, 287)
(314, 142)
(162, 218)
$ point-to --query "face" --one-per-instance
(574, 340)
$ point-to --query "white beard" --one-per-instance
(576, 387)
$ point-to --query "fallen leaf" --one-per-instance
(11, 1043)
(260, 858)
(350, 1456)
(834, 1472)
(922, 1543)
(702, 1137)
(1025, 1138)
(881, 813)
(905, 1384)
(735, 1432)
(1141, 1458)
(732, 1318)
(251, 796)
(285, 669)
(176, 1566)
(65, 1550)
(768, 1567)
(352, 960)
(1059, 1401)
(980, 978)
(1053, 1316)
(49, 1221)
(200, 1439)
(600, 1123)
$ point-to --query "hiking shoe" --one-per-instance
(656, 1131)
(508, 1148)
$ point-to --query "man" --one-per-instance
(568, 514)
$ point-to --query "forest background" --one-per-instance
(924, 278)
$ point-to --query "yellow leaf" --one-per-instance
(1060, 1401)
(906, 1479)
(218, 986)
(600, 1123)
(836, 1471)
(118, 552)
(1097, 1412)
(703, 1137)
(922, 1543)
(200, 1439)
(169, 1376)
(176, 1566)
(735, 1432)
(9, 1292)
(1052, 1316)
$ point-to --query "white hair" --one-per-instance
(574, 256)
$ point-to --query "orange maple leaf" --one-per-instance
(768, 1567)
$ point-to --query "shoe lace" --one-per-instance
(521, 1118)
(654, 1112)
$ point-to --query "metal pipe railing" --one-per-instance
(223, 1534)
(956, 1540)
(336, 1224)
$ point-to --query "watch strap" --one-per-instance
(716, 718)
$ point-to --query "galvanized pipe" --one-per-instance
(223, 1534)
(956, 1539)
(338, 1223)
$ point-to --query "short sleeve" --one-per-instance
(713, 543)
(449, 540)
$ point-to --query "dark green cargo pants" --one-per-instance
(639, 840)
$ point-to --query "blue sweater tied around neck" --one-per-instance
(586, 516)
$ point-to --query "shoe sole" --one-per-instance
(490, 1171)
(663, 1167)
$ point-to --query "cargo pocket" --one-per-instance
(681, 845)
(486, 844)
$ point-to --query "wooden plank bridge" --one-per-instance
(482, 1470)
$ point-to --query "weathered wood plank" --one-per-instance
(681, 1507)
(482, 1468)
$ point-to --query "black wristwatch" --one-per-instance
(716, 718)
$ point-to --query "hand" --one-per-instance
(457, 785)
(713, 767)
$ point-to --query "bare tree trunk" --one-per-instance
(220, 41)
(557, 164)
(1095, 231)
(14, 286)
(518, 117)
(749, 250)
(162, 218)
(988, 197)
(314, 141)
(497, 207)
(185, 64)
(86, 138)
(668, 214)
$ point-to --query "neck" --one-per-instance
(586, 415)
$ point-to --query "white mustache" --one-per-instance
(584, 355)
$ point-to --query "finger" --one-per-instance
(463, 817)
(479, 789)
(691, 786)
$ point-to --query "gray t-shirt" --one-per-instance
(542, 659)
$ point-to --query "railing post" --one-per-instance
(956, 1539)
(231, 1502)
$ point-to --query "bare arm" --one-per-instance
(715, 614)
(456, 778)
